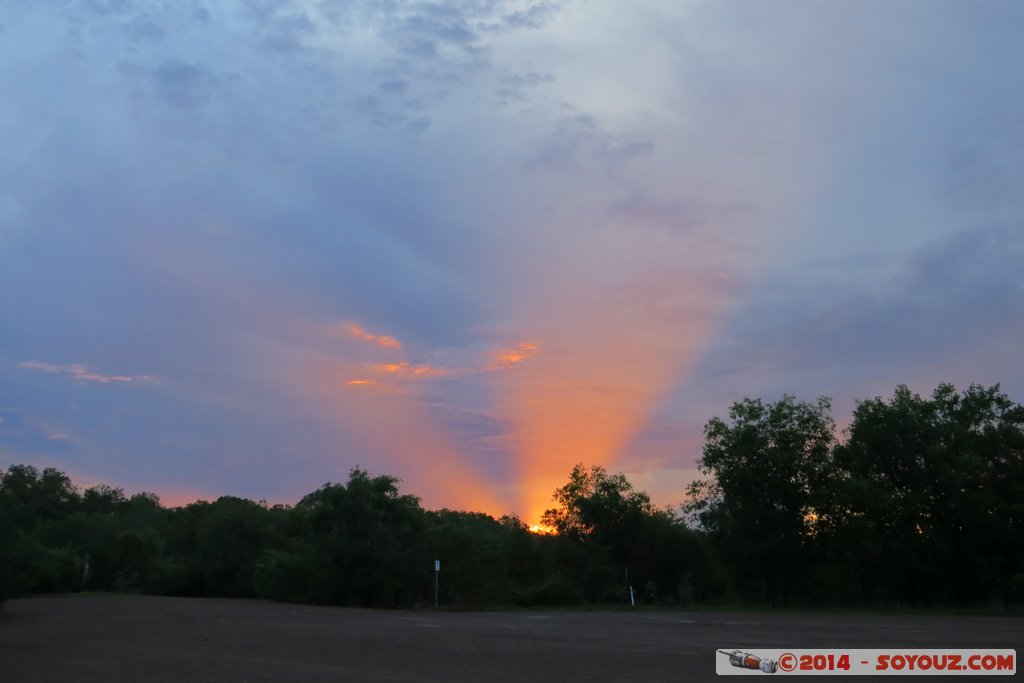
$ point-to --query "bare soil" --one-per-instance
(146, 638)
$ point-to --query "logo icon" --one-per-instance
(745, 660)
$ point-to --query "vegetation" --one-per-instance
(920, 503)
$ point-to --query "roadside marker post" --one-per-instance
(437, 572)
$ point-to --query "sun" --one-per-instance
(542, 529)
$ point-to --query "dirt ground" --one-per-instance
(144, 638)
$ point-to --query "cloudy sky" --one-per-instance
(247, 245)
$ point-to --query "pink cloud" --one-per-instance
(83, 373)
(506, 358)
(383, 341)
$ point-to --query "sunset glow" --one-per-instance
(471, 245)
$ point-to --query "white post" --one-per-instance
(631, 600)
(437, 572)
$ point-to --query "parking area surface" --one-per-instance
(146, 638)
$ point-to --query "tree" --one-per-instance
(369, 540)
(933, 494)
(6, 545)
(475, 552)
(767, 469)
(625, 541)
(39, 553)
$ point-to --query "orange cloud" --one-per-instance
(393, 372)
(506, 358)
(382, 341)
(82, 372)
(404, 369)
(389, 374)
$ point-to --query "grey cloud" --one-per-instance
(107, 7)
(685, 215)
(579, 139)
(381, 113)
(423, 32)
(183, 85)
(528, 80)
(534, 16)
(518, 85)
(268, 10)
(509, 95)
(145, 30)
(422, 52)
(453, 32)
(985, 168)
(287, 33)
(395, 87)
(941, 318)
(418, 125)
(964, 290)
(475, 425)
(980, 267)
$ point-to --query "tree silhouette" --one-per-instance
(768, 470)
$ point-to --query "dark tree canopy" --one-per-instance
(919, 502)
(596, 503)
(934, 483)
(767, 469)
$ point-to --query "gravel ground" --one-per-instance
(146, 638)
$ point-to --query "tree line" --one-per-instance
(919, 502)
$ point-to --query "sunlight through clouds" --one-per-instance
(472, 244)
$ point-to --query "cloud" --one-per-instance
(527, 80)
(383, 341)
(534, 16)
(182, 85)
(82, 373)
(953, 294)
(948, 311)
(404, 369)
(579, 139)
(428, 30)
(461, 364)
(506, 358)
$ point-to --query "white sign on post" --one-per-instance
(437, 573)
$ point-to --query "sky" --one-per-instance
(249, 245)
